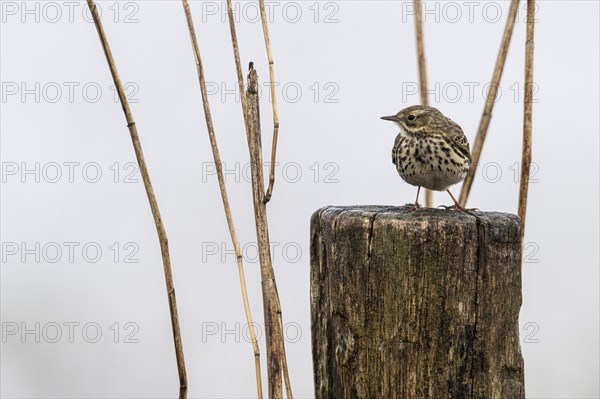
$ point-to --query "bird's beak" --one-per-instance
(389, 118)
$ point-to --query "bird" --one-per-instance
(430, 151)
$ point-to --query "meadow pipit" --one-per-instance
(430, 151)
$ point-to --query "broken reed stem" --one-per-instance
(489, 103)
(527, 115)
(224, 197)
(273, 323)
(271, 305)
(422, 75)
(263, 17)
(267, 197)
(160, 229)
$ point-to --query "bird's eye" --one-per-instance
(411, 117)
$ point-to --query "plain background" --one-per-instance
(84, 308)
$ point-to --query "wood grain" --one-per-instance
(415, 304)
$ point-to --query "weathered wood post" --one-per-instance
(415, 304)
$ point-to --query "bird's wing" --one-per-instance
(458, 137)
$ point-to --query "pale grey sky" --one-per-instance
(81, 268)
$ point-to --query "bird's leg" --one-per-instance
(457, 205)
(417, 206)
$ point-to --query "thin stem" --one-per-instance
(527, 114)
(489, 103)
(271, 305)
(238, 65)
(263, 17)
(422, 74)
(160, 229)
(224, 197)
(267, 197)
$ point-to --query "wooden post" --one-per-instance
(415, 304)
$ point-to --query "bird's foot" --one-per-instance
(458, 208)
(417, 207)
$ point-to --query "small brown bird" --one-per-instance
(430, 151)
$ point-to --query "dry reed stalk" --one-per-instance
(160, 229)
(271, 304)
(267, 197)
(422, 75)
(223, 189)
(527, 115)
(263, 17)
(489, 103)
(270, 297)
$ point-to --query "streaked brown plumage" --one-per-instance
(430, 151)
